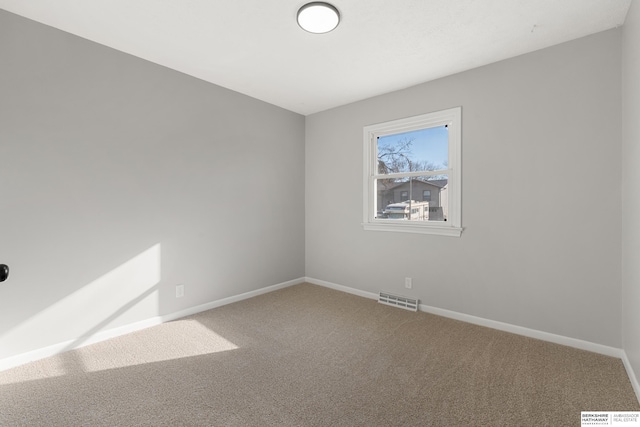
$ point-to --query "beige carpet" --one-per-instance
(311, 356)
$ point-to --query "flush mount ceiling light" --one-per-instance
(318, 17)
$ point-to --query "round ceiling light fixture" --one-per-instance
(318, 17)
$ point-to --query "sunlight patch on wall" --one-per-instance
(98, 305)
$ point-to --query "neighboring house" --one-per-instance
(419, 190)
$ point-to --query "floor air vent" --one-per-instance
(398, 301)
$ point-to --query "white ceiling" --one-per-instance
(256, 47)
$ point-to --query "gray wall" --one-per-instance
(546, 260)
(121, 179)
(631, 186)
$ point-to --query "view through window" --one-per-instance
(400, 193)
(412, 174)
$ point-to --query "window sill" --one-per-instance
(406, 227)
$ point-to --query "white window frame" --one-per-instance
(453, 226)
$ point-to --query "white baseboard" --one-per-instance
(230, 300)
(527, 332)
(632, 374)
(506, 327)
(346, 289)
(52, 350)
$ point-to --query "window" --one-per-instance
(408, 158)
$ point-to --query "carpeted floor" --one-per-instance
(311, 356)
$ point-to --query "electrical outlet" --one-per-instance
(179, 291)
(408, 282)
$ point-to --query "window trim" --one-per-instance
(453, 226)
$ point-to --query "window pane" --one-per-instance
(420, 150)
(403, 199)
(386, 195)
